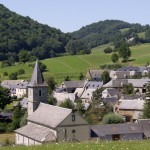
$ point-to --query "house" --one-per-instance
(111, 92)
(119, 74)
(61, 97)
(48, 123)
(17, 87)
(125, 131)
(94, 75)
(70, 86)
(130, 109)
(138, 84)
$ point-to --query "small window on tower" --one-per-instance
(39, 92)
(73, 118)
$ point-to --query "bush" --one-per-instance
(112, 119)
(108, 50)
(111, 66)
(13, 76)
(5, 74)
(21, 71)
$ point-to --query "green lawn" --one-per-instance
(124, 30)
(59, 67)
(141, 35)
(102, 145)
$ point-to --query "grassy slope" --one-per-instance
(9, 136)
(103, 145)
(72, 65)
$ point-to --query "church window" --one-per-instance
(39, 92)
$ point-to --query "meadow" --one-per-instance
(59, 67)
(101, 145)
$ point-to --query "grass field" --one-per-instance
(103, 145)
(59, 67)
(7, 136)
(141, 35)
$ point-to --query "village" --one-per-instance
(51, 123)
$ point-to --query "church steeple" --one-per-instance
(37, 90)
(37, 77)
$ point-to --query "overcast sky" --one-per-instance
(71, 15)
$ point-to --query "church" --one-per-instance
(48, 123)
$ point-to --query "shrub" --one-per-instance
(111, 66)
(108, 50)
(5, 74)
(13, 76)
(21, 71)
(112, 119)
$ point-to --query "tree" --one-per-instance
(21, 71)
(81, 76)
(5, 97)
(108, 50)
(114, 57)
(23, 56)
(67, 78)
(17, 115)
(112, 119)
(51, 84)
(105, 77)
(128, 89)
(124, 52)
(67, 104)
(42, 67)
(13, 76)
(52, 100)
(146, 111)
(80, 107)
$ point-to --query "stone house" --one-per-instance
(125, 131)
(47, 123)
(94, 75)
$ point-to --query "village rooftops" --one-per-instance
(139, 83)
(49, 115)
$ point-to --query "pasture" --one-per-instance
(59, 67)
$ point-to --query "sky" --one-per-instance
(71, 15)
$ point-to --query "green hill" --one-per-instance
(59, 67)
(22, 33)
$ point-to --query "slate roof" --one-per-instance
(134, 96)
(93, 85)
(129, 68)
(131, 104)
(73, 84)
(87, 94)
(137, 83)
(11, 82)
(145, 125)
(37, 77)
(49, 115)
(37, 133)
(112, 91)
(110, 100)
(120, 74)
(95, 73)
(111, 129)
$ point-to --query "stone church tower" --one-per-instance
(37, 90)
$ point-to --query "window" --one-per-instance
(39, 92)
(73, 118)
(73, 131)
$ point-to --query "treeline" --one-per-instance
(107, 31)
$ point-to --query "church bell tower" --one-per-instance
(37, 90)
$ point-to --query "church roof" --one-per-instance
(37, 133)
(49, 115)
(37, 77)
